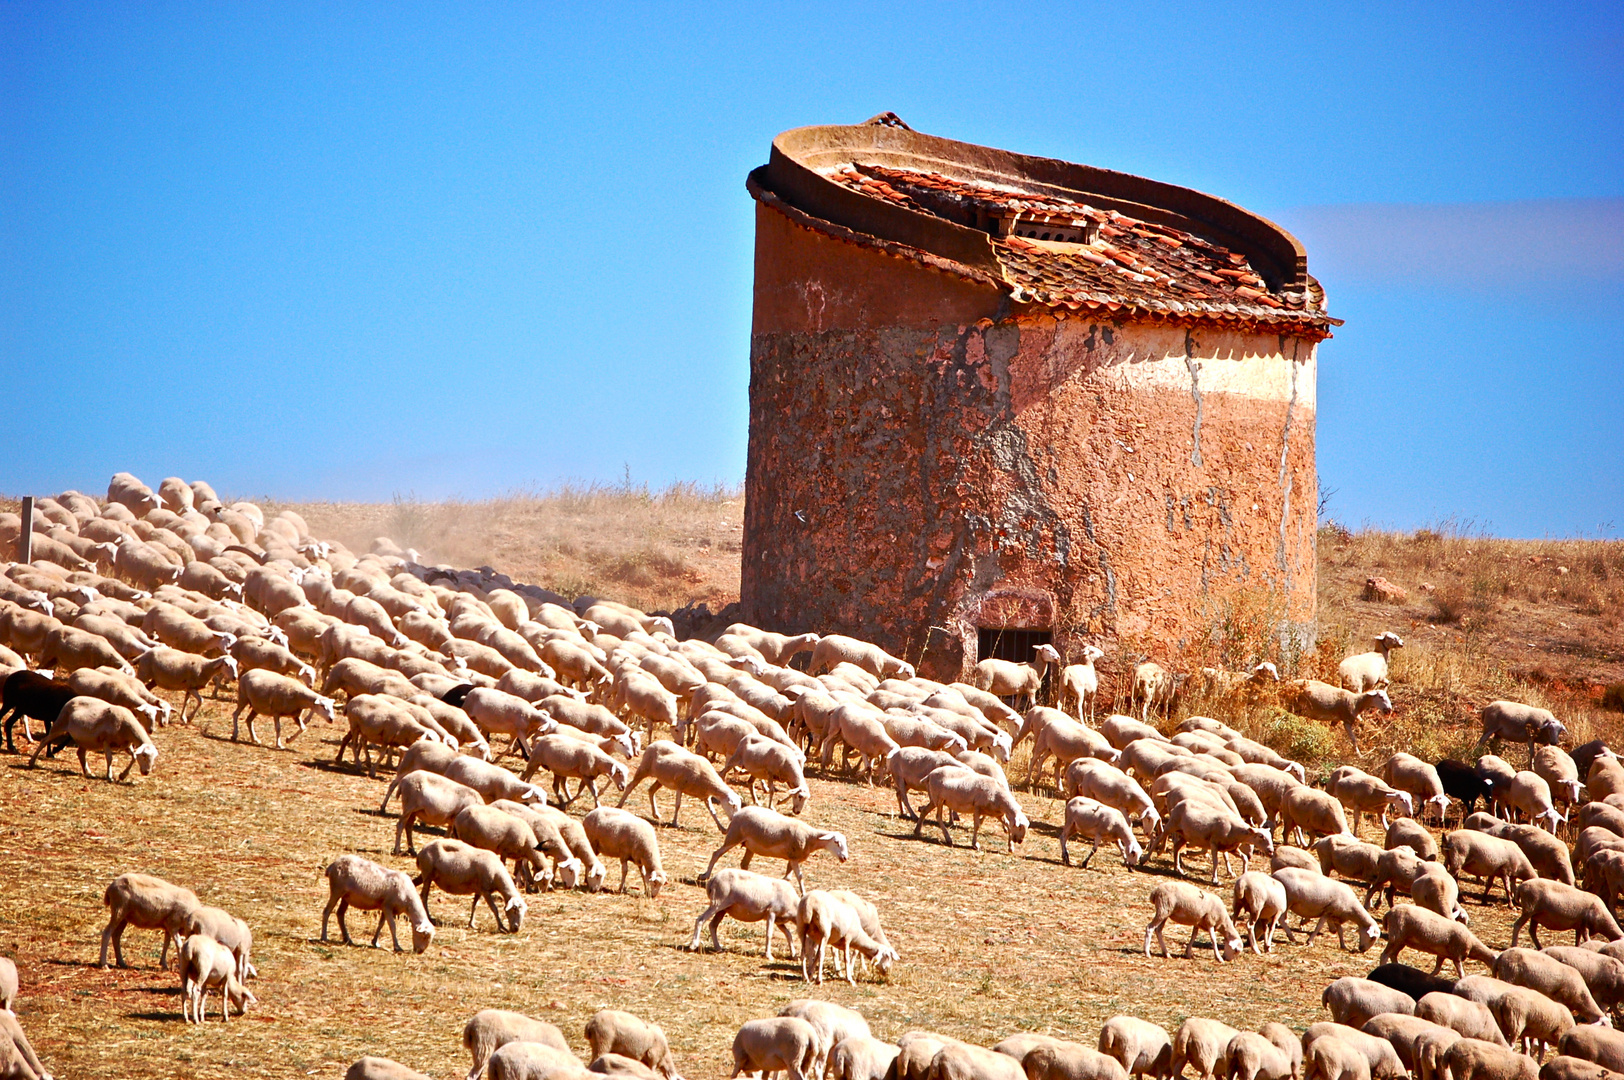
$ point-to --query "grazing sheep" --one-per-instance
(120, 689)
(68, 648)
(1528, 795)
(507, 837)
(204, 965)
(685, 773)
(1097, 822)
(1285, 855)
(430, 799)
(488, 1030)
(377, 1068)
(382, 721)
(1475, 1059)
(1200, 1043)
(1380, 1059)
(565, 757)
(1405, 1033)
(1435, 889)
(1353, 1001)
(1511, 720)
(1407, 832)
(169, 669)
(1104, 782)
(772, 835)
(573, 833)
(619, 834)
(833, 1023)
(1559, 907)
(1488, 857)
(1310, 895)
(1215, 830)
(1354, 860)
(770, 762)
(748, 897)
(268, 693)
(462, 870)
(1311, 813)
(1470, 1018)
(1362, 793)
(1551, 977)
(497, 713)
(825, 921)
(1333, 705)
(100, 727)
(1411, 927)
(360, 883)
(858, 1058)
(1187, 905)
(1558, 769)
(534, 1061)
(780, 1044)
(1395, 869)
(147, 903)
(833, 649)
(611, 1031)
(1141, 1047)
(1066, 740)
(1533, 1018)
(963, 791)
(1070, 1061)
(1263, 900)
(1603, 975)
(1563, 1067)
(1368, 671)
(1270, 1053)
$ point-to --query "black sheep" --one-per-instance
(30, 694)
(1408, 980)
(1461, 782)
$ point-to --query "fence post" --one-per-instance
(25, 539)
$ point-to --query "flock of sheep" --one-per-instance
(452, 671)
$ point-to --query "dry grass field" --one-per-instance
(991, 942)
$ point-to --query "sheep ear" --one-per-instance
(826, 836)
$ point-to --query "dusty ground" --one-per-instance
(991, 943)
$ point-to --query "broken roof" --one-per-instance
(1048, 233)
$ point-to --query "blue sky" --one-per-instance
(356, 250)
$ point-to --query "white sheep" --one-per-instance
(169, 669)
(825, 921)
(619, 834)
(748, 897)
(611, 1031)
(1312, 895)
(685, 773)
(835, 649)
(1005, 678)
(1141, 1047)
(507, 837)
(1187, 905)
(97, 726)
(462, 870)
(148, 903)
(268, 693)
(488, 1030)
(1080, 683)
(204, 965)
(959, 790)
(1262, 899)
(780, 1044)
(430, 799)
(360, 883)
(772, 835)
(1333, 705)
(1097, 822)
(1368, 671)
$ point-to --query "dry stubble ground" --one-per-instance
(991, 943)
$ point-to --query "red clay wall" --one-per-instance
(923, 462)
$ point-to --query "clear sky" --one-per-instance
(353, 251)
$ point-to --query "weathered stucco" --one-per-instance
(926, 458)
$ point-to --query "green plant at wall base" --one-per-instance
(1299, 739)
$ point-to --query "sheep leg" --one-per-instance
(1090, 856)
(975, 832)
(241, 705)
(1317, 928)
(592, 786)
(710, 804)
(715, 916)
(800, 882)
(115, 934)
(1178, 854)
(86, 769)
(1065, 855)
(387, 914)
(1215, 864)
(623, 876)
(125, 775)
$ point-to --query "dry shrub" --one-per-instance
(1613, 697)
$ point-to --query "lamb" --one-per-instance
(1080, 683)
(771, 763)
(226, 929)
(1141, 1047)
(858, 1058)
(1368, 671)
(1068, 740)
(1187, 905)
(1200, 1043)
(827, 921)
(780, 1044)
(1516, 721)
(1488, 857)
(1306, 809)
(97, 726)
(1426, 931)
(833, 649)
(1559, 907)
(566, 757)
(121, 689)
(169, 669)
(1333, 705)
(360, 883)
(686, 773)
(1004, 678)
(1270, 1053)
(611, 1031)
(619, 834)
(461, 870)
(748, 897)
(1551, 977)
(430, 799)
(505, 835)
(1213, 829)
(1533, 1018)
(964, 791)
(1470, 1019)
(1353, 1001)
(1097, 822)
(147, 903)
(1474, 1059)
(488, 1030)
(267, 693)
(772, 835)
(205, 964)
(1263, 900)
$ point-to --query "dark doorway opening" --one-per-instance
(1015, 646)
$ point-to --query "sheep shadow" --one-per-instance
(328, 765)
(161, 1015)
